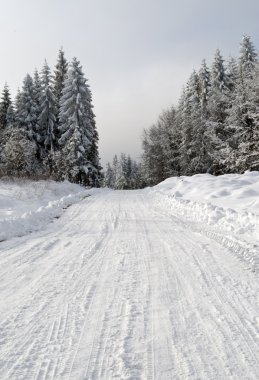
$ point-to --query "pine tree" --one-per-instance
(123, 174)
(37, 93)
(60, 74)
(115, 169)
(218, 73)
(4, 105)
(47, 116)
(18, 106)
(26, 116)
(204, 86)
(232, 73)
(242, 120)
(95, 168)
(247, 57)
(10, 115)
(109, 177)
(76, 125)
(192, 148)
(122, 180)
(219, 100)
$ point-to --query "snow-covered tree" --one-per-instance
(19, 154)
(247, 57)
(10, 116)
(219, 100)
(219, 78)
(76, 126)
(4, 105)
(204, 86)
(60, 74)
(242, 120)
(26, 116)
(123, 173)
(47, 116)
(108, 177)
(232, 73)
(192, 148)
(37, 92)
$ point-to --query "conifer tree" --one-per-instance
(19, 154)
(242, 117)
(47, 116)
(37, 92)
(232, 73)
(216, 134)
(192, 147)
(76, 125)
(26, 110)
(108, 177)
(204, 86)
(219, 78)
(4, 105)
(60, 74)
(18, 106)
(20, 149)
(247, 57)
(10, 116)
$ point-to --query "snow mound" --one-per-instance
(228, 205)
(26, 206)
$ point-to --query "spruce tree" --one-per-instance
(26, 116)
(219, 100)
(37, 92)
(219, 78)
(109, 177)
(10, 115)
(247, 58)
(4, 105)
(232, 73)
(60, 74)
(242, 117)
(47, 116)
(76, 126)
(192, 148)
(204, 86)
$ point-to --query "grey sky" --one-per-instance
(137, 54)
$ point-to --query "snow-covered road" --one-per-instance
(117, 289)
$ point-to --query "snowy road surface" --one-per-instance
(117, 289)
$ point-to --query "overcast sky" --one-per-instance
(137, 54)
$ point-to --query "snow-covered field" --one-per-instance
(157, 283)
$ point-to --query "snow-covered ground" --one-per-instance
(27, 206)
(227, 206)
(131, 285)
(239, 192)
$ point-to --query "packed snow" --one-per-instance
(129, 284)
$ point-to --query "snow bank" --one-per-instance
(228, 205)
(26, 206)
(239, 192)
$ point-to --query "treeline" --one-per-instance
(123, 173)
(49, 131)
(215, 127)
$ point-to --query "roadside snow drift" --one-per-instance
(26, 206)
(227, 204)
